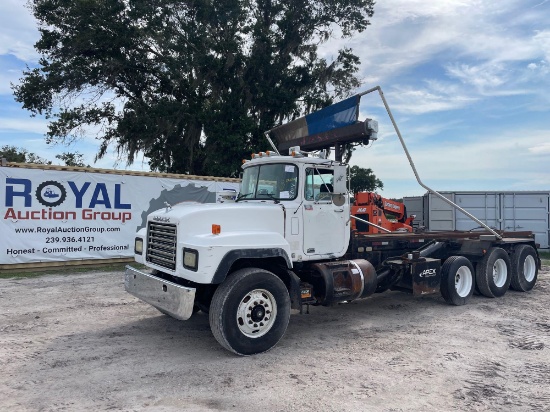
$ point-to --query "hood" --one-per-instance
(198, 218)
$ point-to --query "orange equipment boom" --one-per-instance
(373, 208)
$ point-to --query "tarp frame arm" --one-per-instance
(475, 219)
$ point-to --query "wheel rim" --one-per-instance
(500, 273)
(463, 281)
(256, 313)
(529, 268)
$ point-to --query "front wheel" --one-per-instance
(250, 311)
(457, 280)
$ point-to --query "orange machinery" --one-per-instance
(373, 208)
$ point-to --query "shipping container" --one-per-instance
(509, 211)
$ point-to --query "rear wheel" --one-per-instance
(250, 311)
(493, 273)
(524, 268)
(457, 280)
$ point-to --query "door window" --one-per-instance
(318, 185)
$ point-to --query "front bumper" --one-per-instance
(170, 298)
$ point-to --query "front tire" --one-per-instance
(524, 268)
(457, 280)
(250, 311)
(493, 273)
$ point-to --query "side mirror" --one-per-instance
(340, 182)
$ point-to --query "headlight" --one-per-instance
(138, 246)
(190, 259)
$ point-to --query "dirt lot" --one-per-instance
(79, 342)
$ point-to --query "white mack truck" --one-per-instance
(286, 242)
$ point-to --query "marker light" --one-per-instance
(294, 151)
(138, 246)
(216, 229)
(190, 259)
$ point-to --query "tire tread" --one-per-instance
(484, 279)
(519, 282)
(219, 301)
(447, 286)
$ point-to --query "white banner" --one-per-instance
(51, 215)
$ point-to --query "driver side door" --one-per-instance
(325, 223)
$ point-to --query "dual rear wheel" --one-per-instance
(525, 268)
(457, 280)
(493, 275)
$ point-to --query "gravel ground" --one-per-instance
(80, 342)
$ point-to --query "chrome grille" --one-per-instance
(161, 244)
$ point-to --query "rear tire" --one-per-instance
(524, 268)
(493, 273)
(457, 280)
(250, 311)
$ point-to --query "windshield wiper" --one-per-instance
(241, 196)
(270, 195)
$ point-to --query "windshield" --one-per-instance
(272, 181)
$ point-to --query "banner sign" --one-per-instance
(52, 215)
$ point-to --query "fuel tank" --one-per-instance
(341, 281)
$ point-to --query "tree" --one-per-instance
(20, 155)
(13, 154)
(192, 85)
(364, 180)
(72, 159)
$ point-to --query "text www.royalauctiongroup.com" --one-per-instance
(72, 229)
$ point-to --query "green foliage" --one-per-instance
(364, 180)
(192, 85)
(20, 155)
(72, 159)
(13, 154)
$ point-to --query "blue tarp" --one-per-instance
(338, 115)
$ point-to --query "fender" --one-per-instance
(236, 254)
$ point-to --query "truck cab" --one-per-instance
(313, 195)
(291, 207)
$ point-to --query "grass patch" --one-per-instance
(545, 257)
(67, 270)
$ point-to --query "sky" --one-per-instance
(468, 82)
